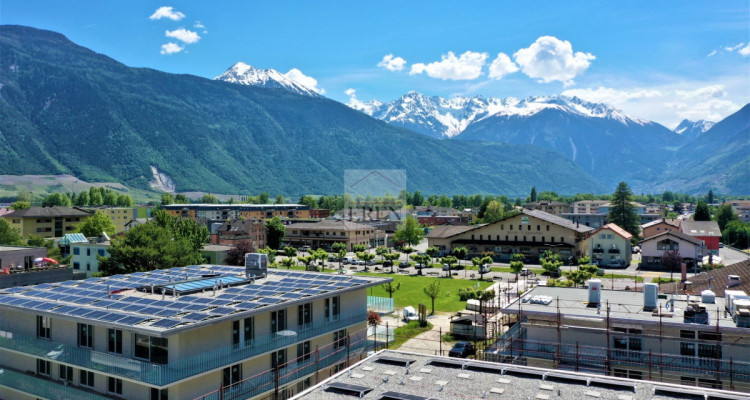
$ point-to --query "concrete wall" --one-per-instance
(17, 255)
(36, 277)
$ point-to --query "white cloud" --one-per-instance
(668, 104)
(392, 63)
(466, 67)
(171, 48)
(733, 48)
(745, 51)
(198, 25)
(551, 59)
(167, 12)
(183, 35)
(304, 80)
(350, 92)
(712, 53)
(501, 66)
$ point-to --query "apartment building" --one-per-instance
(548, 206)
(697, 340)
(85, 252)
(609, 245)
(239, 230)
(46, 222)
(324, 233)
(233, 211)
(194, 332)
(707, 231)
(530, 232)
(659, 226)
(120, 216)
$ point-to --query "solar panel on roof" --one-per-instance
(269, 300)
(166, 323)
(46, 306)
(292, 295)
(195, 317)
(194, 307)
(132, 320)
(112, 317)
(96, 314)
(266, 293)
(222, 311)
(219, 302)
(348, 388)
(248, 305)
(390, 395)
(150, 310)
(166, 312)
(65, 309)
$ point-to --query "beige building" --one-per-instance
(548, 206)
(530, 232)
(610, 246)
(205, 331)
(120, 216)
(689, 340)
(587, 206)
(46, 222)
(324, 233)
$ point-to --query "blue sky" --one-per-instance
(663, 61)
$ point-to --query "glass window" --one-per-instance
(66, 373)
(88, 252)
(42, 327)
(43, 367)
(278, 358)
(303, 351)
(76, 250)
(232, 375)
(159, 350)
(142, 346)
(87, 378)
(114, 386)
(278, 321)
(114, 342)
(236, 333)
(157, 394)
(76, 265)
(304, 314)
(85, 335)
(339, 339)
(249, 330)
(101, 252)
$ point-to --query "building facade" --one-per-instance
(688, 247)
(324, 233)
(238, 230)
(530, 232)
(610, 245)
(120, 216)
(234, 211)
(46, 222)
(548, 206)
(659, 226)
(218, 337)
(84, 255)
(707, 231)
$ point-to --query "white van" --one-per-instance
(348, 260)
(410, 314)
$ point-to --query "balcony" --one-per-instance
(44, 387)
(158, 374)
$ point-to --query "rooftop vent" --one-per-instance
(733, 280)
(708, 297)
(256, 264)
(650, 296)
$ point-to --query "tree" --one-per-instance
(275, 232)
(391, 288)
(409, 231)
(622, 211)
(184, 228)
(391, 258)
(166, 199)
(307, 260)
(148, 247)
(181, 199)
(460, 253)
(288, 262)
(381, 251)
(96, 224)
(308, 201)
(433, 252)
(123, 200)
(494, 212)
(339, 248)
(422, 259)
(701, 212)
(479, 262)
(736, 234)
(408, 250)
(209, 199)
(724, 215)
(532, 196)
(432, 290)
(516, 265)
(83, 199)
(710, 197)
(20, 205)
(677, 207)
(9, 235)
(95, 197)
(449, 261)
(280, 199)
(551, 263)
(271, 253)
(320, 255)
(289, 251)
(672, 260)
(366, 257)
(236, 254)
(56, 199)
(110, 198)
(358, 247)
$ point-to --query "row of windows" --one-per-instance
(77, 251)
(515, 238)
(86, 378)
(520, 227)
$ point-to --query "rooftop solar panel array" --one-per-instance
(117, 300)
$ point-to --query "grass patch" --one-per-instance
(638, 279)
(447, 337)
(660, 280)
(411, 293)
(406, 332)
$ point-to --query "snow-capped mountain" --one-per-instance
(268, 78)
(447, 118)
(692, 129)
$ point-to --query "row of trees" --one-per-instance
(263, 198)
(95, 196)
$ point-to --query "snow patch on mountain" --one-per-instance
(693, 129)
(447, 118)
(245, 74)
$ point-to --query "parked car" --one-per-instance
(600, 272)
(371, 262)
(636, 249)
(410, 314)
(348, 260)
(526, 272)
(595, 262)
(614, 264)
(420, 265)
(485, 269)
(404, 264)
(305, 248)
(462, 350)
(721, 245)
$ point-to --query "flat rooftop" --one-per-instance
(384, 375)
(135, 301)
(623, 304)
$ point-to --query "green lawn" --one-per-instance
(659, 280)
(411, 293)
(406, 332)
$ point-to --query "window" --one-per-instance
(87, 378)
(332, 308)
(114, 386)
(142, 346)
(43, 367)
(687, 351)
(510, 227)
(687, 334)
(66, 373)
(542, 238)
(76, 265)
(88, 267)
(303, 351)
(76, 250)
(157, 394)
(85, 335)
(236, 333)
(539, 227)
(278, 359)
(278, 321)
(528, 227)
(101, 252)
(339, 367)
(304, 315)
(88, 252)
(547, 227)
(339, 339)
(114, 341)
(42, 327)
(231, 375)
(152, 348)
(249, 330)
(303, 385)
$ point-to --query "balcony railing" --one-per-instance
(44, 388)
(163, 374)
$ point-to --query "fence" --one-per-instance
(381, 305)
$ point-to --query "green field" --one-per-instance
(406, 332)
(411, 293)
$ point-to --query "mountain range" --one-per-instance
(267, 78)
(65, 109)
